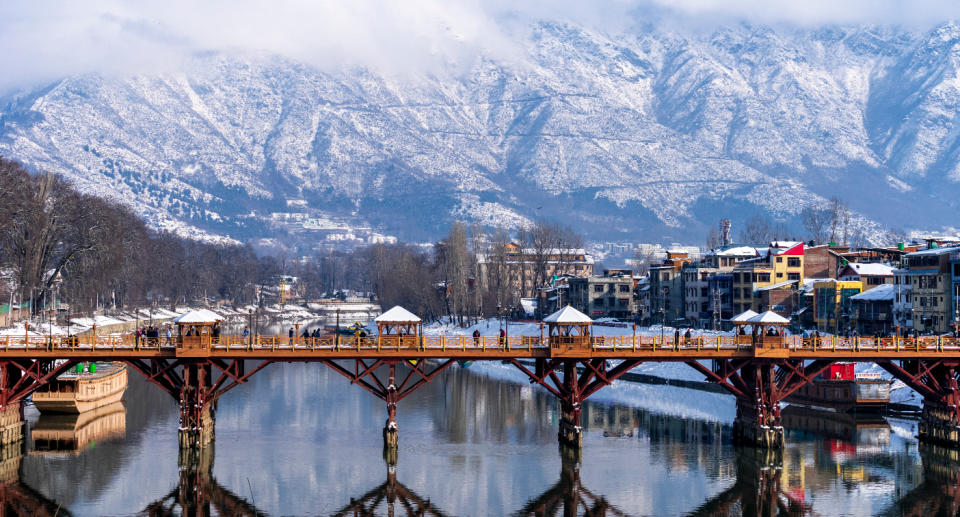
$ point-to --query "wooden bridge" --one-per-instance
(764, 368)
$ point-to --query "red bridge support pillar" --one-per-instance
(937, 382)
(18, 379)
(196, 387)
(368, 374)
(580, 379)
(760, 385)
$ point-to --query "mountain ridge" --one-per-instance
(651, 134)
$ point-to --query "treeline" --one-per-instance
(59, 244)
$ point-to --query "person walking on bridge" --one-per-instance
(676, 339)
(290, 335)
(476, 338)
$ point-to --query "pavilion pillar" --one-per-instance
(196, 410)
(391, 433)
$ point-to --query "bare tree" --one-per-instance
(816, 218)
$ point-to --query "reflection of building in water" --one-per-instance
(76, 432)
(758, 489)
(612, 420)
(859, 433)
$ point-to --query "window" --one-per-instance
(873, 280)
(623, 302)
(598, 302)
(793, 276)
(763, 277)
(779, 260)
(664, 277)
(779, 275)
(793, 262)
(624, 288)
(598, 288)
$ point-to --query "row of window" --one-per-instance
(791, 261)
(613, 302)
(623, 288)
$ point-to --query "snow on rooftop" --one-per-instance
(397, 315)
(871, 269)
(568, 315)
(198, 316)
(882, 292)
(743, 317)
(934, 251)
(778, 285)
(738, 251)
(769, 317)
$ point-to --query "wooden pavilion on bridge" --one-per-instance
(739, 322)
(769, 329)
(198, 328)
(398, 327)
(569, 332)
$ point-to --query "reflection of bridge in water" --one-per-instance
(766, 482)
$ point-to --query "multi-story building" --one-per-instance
(931, 279)
(902, 300)
(870, 274)
(608, 296)
(781, 265)
(955, 292)
(832, 309)
(708, 285)
(873, 308)
(823, 261)
(666, 288)
(518, 266)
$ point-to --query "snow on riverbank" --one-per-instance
(899, 393)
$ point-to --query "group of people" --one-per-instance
(151, 334)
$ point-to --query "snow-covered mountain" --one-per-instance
(650, 134)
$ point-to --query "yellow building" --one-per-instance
(782, 263)
(832, 310)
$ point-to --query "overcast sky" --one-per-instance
(42, 40)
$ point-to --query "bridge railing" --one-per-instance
(443, 343)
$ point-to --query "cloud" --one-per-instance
(44, 40)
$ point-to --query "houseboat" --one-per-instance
(840, 388)
(84, 389)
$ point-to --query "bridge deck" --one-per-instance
(652, 348)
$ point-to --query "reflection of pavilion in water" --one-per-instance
(75, 432)
(568, 496)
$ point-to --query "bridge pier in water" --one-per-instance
(578, 379)
(937, 382)
(197, 412)
(392, 389)
(760, 384)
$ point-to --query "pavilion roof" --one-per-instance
(743, 317)
(568, 315)
(769, 318)
(397, 315)
(198, 316)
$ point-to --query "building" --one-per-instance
(902, 300)
(873, 310)
(870, 274)
(518, 267)
(708, 285)
(781, 262)
(930, 276)
(607, 296)
(823, 261)
(831, 304)
(666, 288)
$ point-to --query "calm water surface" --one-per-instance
(298, 439)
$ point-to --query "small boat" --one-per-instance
(77, 432)
(98, 385)
(841, 389)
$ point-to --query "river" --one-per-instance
(298, 439)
